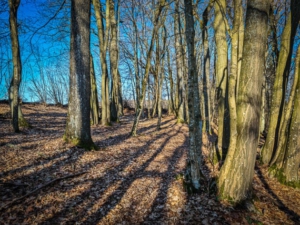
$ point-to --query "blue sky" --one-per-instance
(47, 51)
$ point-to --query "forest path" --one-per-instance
(130, 180)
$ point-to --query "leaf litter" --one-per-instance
(130, 180)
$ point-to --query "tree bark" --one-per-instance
(195, 124)
(221, 81)
(103, 39)
(278, 92)
(206, 71)
(171, 103)
(232, 82)
(179, 64)
(237, 172)
(94, 95)
(114, 55)
(17, 65)
(140, 105)
(78, 121)
(288, 110)
(292, 156)
(160, 73)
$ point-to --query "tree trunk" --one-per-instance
(195, 134)
(221, 81)
(140, 105)
(22, 122)
(179, 64)
(149, 101)
(160, 73)
(113, 53)
(155, 97)
(171, 103)
(233, 79)
(17, 65)
(278, 92)
(159, 96)
(78, 121)
(136, 64)
(288, 110)
(120, 98)
(237, 172)
(292, 156)
(206, 71)
(272, 60)
(103, 39)
(94, 95)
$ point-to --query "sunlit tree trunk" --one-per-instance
(160, 74)
(21, 119)
(171, 103)
(179, 64)
(234, 34)
(279, 155)
(241, 31)
(262, 122)
(17, 66)
(221, 80)
(236, 175)
(271, 64)
(276, 103)
(113, 53)
(78, 129)
(292, 156)
(278, 91)
(185, 73)
(136, 64)
(149, 100)
(103, 39)
(140, 105)
(155, 97)
(206, 71)
(159, 95)
(120, 93)
(94, 95)
(195, 129)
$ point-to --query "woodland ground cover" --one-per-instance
(129, 180)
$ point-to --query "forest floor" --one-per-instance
(129, 180)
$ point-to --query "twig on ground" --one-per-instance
(12, 184)
(39, 188)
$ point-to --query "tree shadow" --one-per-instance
(289, 212)
(125, 181)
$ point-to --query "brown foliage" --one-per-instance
(131, 180)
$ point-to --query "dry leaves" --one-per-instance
(131, 180)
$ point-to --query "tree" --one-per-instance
(103, 42)
(279, 87)
(171, 109)
(292, 155)
(78, 130)
(116, 111)
(179, 64)
(237, 172)
(157, 25)
(221, 79)
(94, 95)
(160, 53)
(195, 124)
(206, 72)
(17, 65)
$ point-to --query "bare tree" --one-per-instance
(236, 174)
(195, 123)
(78, 130)
(157, 24)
